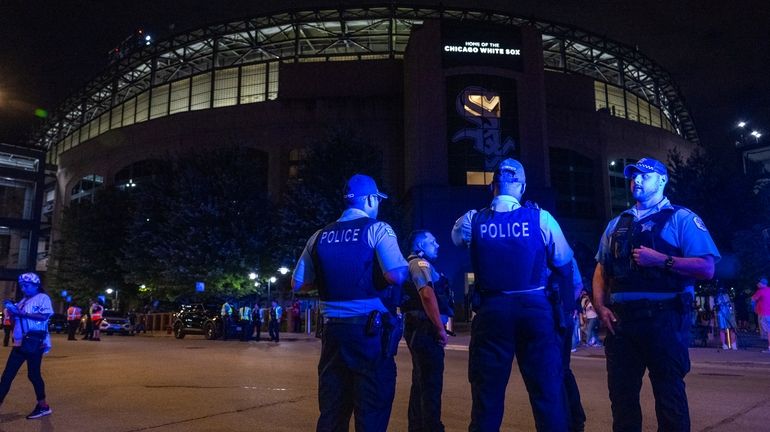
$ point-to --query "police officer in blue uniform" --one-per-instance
(426, 310)
(648, 259)
(511, 245)
(345, 261)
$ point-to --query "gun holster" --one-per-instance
(559, 318)
(392, 331)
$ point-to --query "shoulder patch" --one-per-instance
(423, 263)
(389, 231)
(699, 223)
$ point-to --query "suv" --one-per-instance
(198, 318)
(116, 322)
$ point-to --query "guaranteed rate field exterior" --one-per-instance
(445, 92)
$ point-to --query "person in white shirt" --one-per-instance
(31, 315)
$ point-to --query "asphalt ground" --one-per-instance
(158, 383)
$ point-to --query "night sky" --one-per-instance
(717, 52)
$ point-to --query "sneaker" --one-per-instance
(573, 350)
(724, 346)
(39, 412)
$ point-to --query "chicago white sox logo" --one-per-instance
(483, 108)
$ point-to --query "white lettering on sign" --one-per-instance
(504, 230)
(340, 236)
(482, 47)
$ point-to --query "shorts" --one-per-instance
(764, 323)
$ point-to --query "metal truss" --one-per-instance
(349, 34)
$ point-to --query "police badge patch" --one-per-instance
(423, 263)
(699, 223)
(389, 231)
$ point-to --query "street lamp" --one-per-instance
(117, 303)
(253, 275)
(269, 283)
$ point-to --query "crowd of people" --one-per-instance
(251, 318)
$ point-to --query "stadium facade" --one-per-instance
(445, 93)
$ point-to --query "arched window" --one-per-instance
(86, 188)
(140, 172)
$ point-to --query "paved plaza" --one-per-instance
(158, 383)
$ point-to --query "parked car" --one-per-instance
(198, 318)
(57, 323)
(115, 322)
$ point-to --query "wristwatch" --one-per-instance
(668, 264)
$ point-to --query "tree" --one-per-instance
(207, 220)
(86, 257)
(734, 207)
(314, 199)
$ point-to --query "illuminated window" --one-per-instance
(600, 94)
(615, 101)
(478, 177)
(180, 96)
(272, 82)
(142, 106)
(201, 92)
(116, 117)
(225, 87)
(253, 83)
(129, 111)
(86, 188)
(159, 102)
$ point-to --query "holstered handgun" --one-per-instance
(392, 331)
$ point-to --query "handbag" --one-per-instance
(33, 341)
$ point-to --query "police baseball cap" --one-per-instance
(509, 171)
(29, 278)
(362, 185)
(644, 166)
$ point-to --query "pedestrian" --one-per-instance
(258, 317)
(344, 261)
(426, 311)
(7, 327)
(295, 310)
(274, 326)
(246, 326)
(592, 320)
(761, 300)
(88, 328)
(74, 313)
(511, 246)
(227, 318)
(647, 261)
(30, 340)
(725, 316)
(96, 320)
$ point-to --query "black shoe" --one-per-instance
(39, 412)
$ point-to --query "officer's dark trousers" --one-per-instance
(576, 417)
(658, 344)
(246, 330)
(427, 376)
(273, 328)
(521, 326)
(354, 377)
(72, 327)
(258, 327)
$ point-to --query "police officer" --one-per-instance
(274, 326)
(343, 261)
(257, 317)
(510, 247)
(647, 261)
(246, 327)
(227, 319)
(426, 311)
(74, 314)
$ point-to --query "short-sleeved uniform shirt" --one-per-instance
(557, 249)
(684, 230)
(38, 304)
(762, 299)
(381, 237)
(422, 274)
